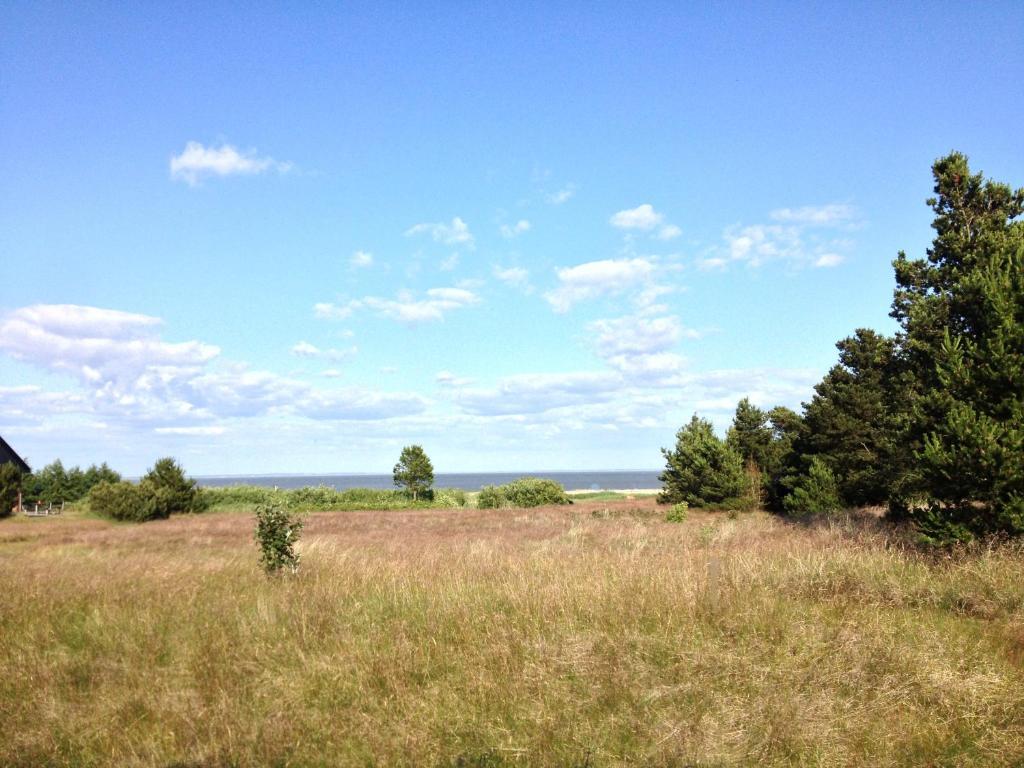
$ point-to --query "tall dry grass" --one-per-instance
(472, 637)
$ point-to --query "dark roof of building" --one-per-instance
(8, 456)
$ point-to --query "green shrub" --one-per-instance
(535, 492)
(325, 498)
(449, 497)
(10, 483)
(815, 493)
(277, 532)
(241, 495)
(702, 470)
(678, 513)
(524, 492)
(491, 497)
(125, 501)
(171, 491)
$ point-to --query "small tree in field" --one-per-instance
(277, 532)
(702, 469)
(414, 472)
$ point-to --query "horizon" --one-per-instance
(292, 239)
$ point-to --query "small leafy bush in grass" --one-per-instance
(449, 497)
(125, 501)
(491, 497)
(678, 513)
(277, 532)
(524, 492)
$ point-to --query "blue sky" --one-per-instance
(296, 237)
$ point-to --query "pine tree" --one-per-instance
(702, 469)
(962, 318)
(751, 437)
(855, 420)
(414, 471)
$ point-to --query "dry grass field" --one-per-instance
(591, 635)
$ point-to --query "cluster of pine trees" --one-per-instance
(54, 483)
(929, 422)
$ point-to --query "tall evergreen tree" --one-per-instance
(750, 436)
(962, 316)
(855, 419)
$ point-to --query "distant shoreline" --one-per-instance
(642, 481)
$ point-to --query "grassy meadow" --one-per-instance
(590, 635)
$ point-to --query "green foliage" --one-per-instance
(11, 479)
(171, 491)
(856, 420)
(678, 513)
(522, 493)
(414, 472)
(962, 318)
(491, 497)
(750, 436)
(125, 501)
(702, 469)
(277, 532)
(323, 498)
(815, 493)
(53, 483)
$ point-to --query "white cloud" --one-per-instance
(405, 307)
(643, 217)
(307, 350)
(328, 311)
(800, 237)
(658, 364)
(561, 196)
(820, 215)
(361, 260)
(94, 344)
(129, 374)
(197, 162)
(449, 379)
(632, 335)
(509, 231)
(450, 263)
(712, 262)
(514, 276)
(538, 392)
(669, 232)
(455, 233)
(598, 278)
(639, 346)
(828, 260)
(199, 431)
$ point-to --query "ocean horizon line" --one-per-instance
(518, 472)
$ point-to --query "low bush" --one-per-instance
(277, 532)
(125, 501)
(323, 498)
(678, 513)
(491, 497)
(524, 492)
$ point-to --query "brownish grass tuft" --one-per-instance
(591, 635)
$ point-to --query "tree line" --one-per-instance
(928, 422)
